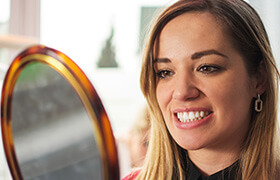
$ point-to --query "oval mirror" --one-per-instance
(54, 125)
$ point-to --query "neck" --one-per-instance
(210, 161)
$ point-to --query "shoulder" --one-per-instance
(132, 175)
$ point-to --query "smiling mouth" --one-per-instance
(191, 116)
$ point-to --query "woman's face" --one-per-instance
(203, 88)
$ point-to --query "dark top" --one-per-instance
(227, 174)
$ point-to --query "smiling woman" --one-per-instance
(207, 69)
(214, 82)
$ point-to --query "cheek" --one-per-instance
(164, 96)
(231, 96)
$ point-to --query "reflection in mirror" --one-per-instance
(53, 135)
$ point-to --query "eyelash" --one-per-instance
(207, 69)
(162, 74)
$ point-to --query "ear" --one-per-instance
(261, 79)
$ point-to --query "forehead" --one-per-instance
(192, 31)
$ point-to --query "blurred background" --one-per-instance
(105, 38)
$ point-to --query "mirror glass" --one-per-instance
(52, 132)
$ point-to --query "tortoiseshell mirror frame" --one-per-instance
(80, 83)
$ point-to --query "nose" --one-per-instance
(185, 89)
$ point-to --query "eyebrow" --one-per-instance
(199, 55)
(195, 56)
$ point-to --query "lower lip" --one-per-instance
(192, 124)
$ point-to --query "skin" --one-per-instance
(198, 68)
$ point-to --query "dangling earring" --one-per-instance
(258, 104)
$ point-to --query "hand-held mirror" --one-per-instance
(54, 125)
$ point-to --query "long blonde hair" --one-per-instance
(260, 156)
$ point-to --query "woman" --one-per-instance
(210, 80)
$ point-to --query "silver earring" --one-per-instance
(258, 104)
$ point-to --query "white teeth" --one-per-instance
(201, 113)
(192, 116)
(196, 114)
(185, 115)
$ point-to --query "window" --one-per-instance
(4, 29)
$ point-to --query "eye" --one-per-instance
(162, 74)
(206, 69)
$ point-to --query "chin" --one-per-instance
(191, 147)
